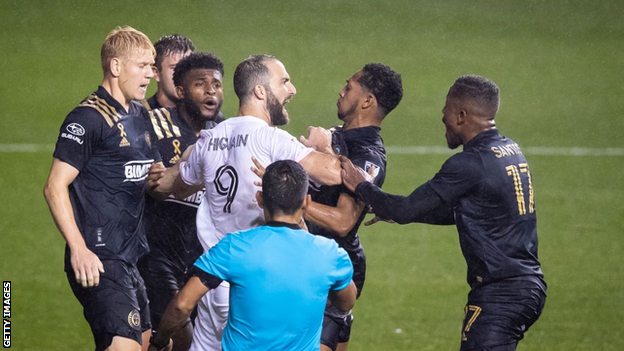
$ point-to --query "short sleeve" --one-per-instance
(284, 146)
(343, 272)
(458, 175)
(191, 170)
(373, 164)
(79, 136)
(217, 260)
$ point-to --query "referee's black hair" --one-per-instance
(284, 187)
(481, 91)
(384, 83)
(170, 44)
(194, 61)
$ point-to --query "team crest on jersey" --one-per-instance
(371, 168)
(76, 129)
(134, 319)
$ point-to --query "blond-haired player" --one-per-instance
(95, 193)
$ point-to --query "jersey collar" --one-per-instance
(282, 224)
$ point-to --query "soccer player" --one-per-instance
(369, 95)
(280, 275)
(486, 191)
(95, 192)
(222, 160)
(170, 224)
(170, 49)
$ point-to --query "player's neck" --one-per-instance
(111, 86)
(254, 111)
(196, 124)
(292, 219)
(361, 121)
(164, 100)
(477, 126)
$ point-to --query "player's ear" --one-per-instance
(156, 73)
(259, 199)
(369, 101)
(115, 66)
(179, 92)
(306, 202)
(260, 92)
(461, 117)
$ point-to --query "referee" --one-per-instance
(486, 191)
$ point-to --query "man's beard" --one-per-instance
(276, 110)
(342, 116)
(195, 112)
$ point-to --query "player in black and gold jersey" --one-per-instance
(487, 192)
(170, 224)
(170, 49)
(365, 101)
(95, 192)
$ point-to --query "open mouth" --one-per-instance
(210, 104)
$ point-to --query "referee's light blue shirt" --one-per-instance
(279, 279)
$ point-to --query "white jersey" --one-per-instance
(221, 160)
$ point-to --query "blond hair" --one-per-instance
(124, 42)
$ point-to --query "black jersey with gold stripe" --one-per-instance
(170, 224)
(112, 149)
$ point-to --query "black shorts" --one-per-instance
(162, 281)
(117, 306)
(497, 315)
(336, 326)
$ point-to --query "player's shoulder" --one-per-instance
(165, 122)
(326, 245)
(94, 109)
(465, 163)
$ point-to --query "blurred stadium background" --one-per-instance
(558, 63)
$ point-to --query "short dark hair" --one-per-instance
(194, 61)
(251, 72)
(284, 187)
(384, 83)
(170, 44)
(482, 91)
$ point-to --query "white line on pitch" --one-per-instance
(404, 150)
(535, 150)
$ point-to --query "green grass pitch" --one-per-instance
(558, 63)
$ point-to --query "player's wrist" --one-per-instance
(360, 190)
(158, 344)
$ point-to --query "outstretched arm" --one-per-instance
(322, 168)
(162, 182)
(86, 265)
(423, 205)
(340, 219)
(322, 165)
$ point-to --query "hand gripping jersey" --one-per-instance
(170, 224)
(221, 160)
(112, 149)
(364, 147)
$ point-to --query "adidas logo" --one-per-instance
(124, 142)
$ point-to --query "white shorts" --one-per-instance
(212, 312)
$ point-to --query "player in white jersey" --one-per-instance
(222, 161)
